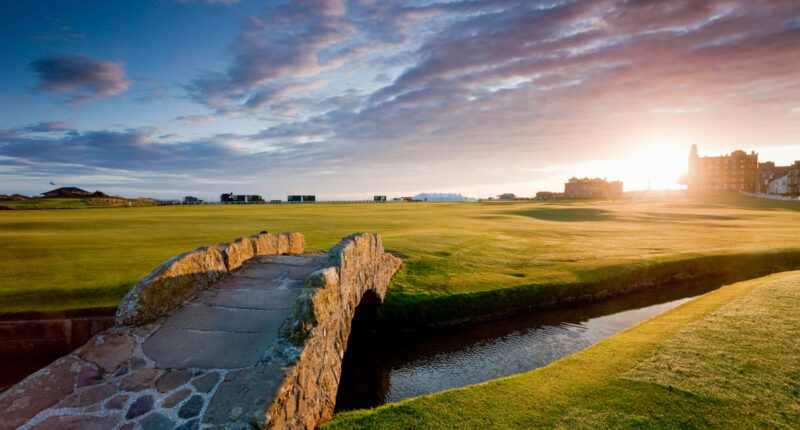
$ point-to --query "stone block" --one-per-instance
(203, 317)
(297, 243)
(79, 422)
(283, 244)
(117, 402)
(265, 244)
(206, 383)
(140, 406)
(175, 398)
(262, 272)
(90, 395)
(139, 380)
(238, 252)
(256, 299)
(191, 408)
(37, 392)
(156, 421)
(245, 395)
(178, 348)
(88, 375)
(189, 425)
(172, 379)
(108, 350)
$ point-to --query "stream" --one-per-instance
(378, 368)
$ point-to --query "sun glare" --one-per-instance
(660, 166)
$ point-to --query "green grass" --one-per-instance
(728, 359)
(456, 254)
(75, 203)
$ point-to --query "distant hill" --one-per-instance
(442, 197)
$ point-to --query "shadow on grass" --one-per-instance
(567, 214)
(54, 300)
(685, 217)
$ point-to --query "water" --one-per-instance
(378, 369)
(13, 370)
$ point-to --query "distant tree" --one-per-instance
(507, 196)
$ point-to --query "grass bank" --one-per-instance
(460, 259)
(416, 313)
(725, 360)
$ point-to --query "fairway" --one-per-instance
(72, 259)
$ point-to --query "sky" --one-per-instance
(346, 99)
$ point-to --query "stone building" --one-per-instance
(737, 171)
(594, 188)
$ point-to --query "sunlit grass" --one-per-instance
(62, 259)
(725, 360)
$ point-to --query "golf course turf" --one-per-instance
(458, 257)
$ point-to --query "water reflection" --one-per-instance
(377, 369)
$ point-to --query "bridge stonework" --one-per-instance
(238, 336)
(356, 269)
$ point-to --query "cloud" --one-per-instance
(83, 78)
(135, 150)
(465, 93)
(226, 2)
(48, 126)
(196, 119)
(290, 46)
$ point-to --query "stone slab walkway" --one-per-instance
(207, 364)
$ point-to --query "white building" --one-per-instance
(779, 185)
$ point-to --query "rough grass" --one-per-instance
(87, 258)
(76, 203)
(728, 359)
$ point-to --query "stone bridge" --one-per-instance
(237, 336)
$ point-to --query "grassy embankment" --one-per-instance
(728, 359)
(461, 259)
(75, 203)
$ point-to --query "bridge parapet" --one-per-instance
(256, 342)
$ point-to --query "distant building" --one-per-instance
(779, 180)
(548, 195)
(737, 171)
(779, 186)
(230, 198)
(379, 198)
(191, 200)
(301, 199)
(66, 192)
(403, 199)
(594, 188)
